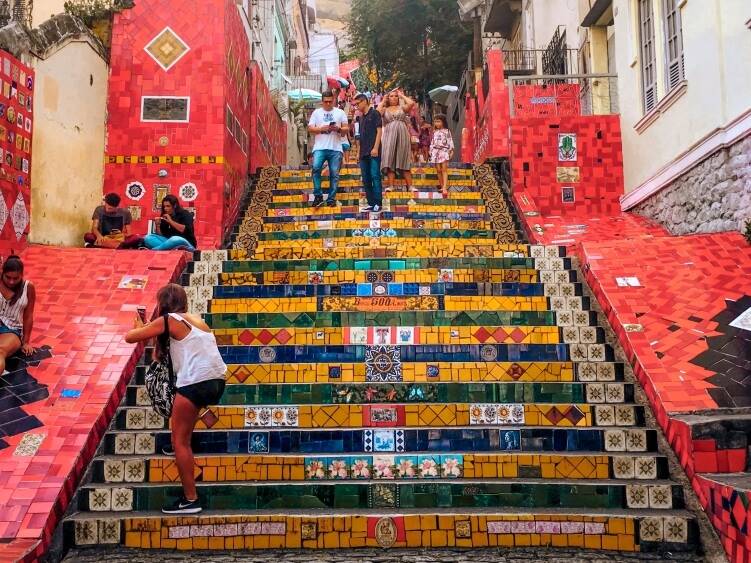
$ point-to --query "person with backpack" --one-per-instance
(189, 347)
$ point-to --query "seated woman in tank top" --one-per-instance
(199, 378)
(17, 298)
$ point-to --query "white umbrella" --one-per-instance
(442, 94)
(304, 94)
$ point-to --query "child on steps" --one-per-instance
(441, 152)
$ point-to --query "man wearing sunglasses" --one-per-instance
(371, 125)
(329, 124)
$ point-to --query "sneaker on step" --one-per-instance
(330, 203)
(168, 450)
(182, 506)
(368, 209)
(376, 209)
(317, 201)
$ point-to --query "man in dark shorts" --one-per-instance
(110, 226)
(371, 125)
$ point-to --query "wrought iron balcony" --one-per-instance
(522, 62)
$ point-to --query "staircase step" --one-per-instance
(611, 529)
(418, 465)
(443, 440)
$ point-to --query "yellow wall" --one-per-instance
(68, 145)
(716, 47)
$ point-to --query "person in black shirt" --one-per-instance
(110, 226)
(371, 125)
(175, 226)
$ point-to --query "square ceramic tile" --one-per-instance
(586, 371)
(570, 334)
(660, 496)
(86, 532)
(605, 371)
(615, 440)
(361, 467)
(114, 470)
(125, 444)
(615, 393)
(623, 467)
(134, 470)
(384, 467)
(625, 415)
(109, 531)
(338, 468)
(596, 352)
(595, 393)
(145, 444)
(604, 415)
(100, 500)
(384, 440)
(636, 440)
(122, 499)
(637, 496)
(675, 529)
(588, 335)
(645, 467)
(429, 466)
(154, 420)
(135, 419)
(651, 529)
(452, 466)
(142, 397)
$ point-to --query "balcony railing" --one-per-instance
(521, 62)
(309, 81)
(563, 95)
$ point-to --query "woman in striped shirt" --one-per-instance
(17, 297)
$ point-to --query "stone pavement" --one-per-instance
(376, 556)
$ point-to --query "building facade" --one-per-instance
(684, 80)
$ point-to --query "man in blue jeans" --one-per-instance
(371, 126)
(328, 123)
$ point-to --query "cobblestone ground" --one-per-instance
(372, 556)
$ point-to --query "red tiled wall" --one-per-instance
(200, 74)
(268, 138)
(16, 120)
(238, 99)
(534, 163)
(491, 139)
(546, 100)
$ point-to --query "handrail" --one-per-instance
(553, 78)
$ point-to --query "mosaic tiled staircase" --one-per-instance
(418, 379)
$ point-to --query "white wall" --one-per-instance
(323, 46)
(717, 54)
(68, 145)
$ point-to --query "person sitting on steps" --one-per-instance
(110, 226)
(17, 298)
(175, 226)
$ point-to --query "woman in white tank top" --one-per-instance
(199, 378)
(17, 298)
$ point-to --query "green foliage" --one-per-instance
(91, 11)
(747, 232)
(416, 44)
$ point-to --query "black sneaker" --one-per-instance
(168, 450)
(317, 201)
(330, 203)
(182, 506)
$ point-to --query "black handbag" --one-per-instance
(160, 380)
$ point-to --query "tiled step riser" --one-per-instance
(316, 467)
(386, 393)
(512, 415)
(446, 372)
(394, 289)
(424, 494)
(400, 354)
(613, 441)
(422, 529)
(357, 235)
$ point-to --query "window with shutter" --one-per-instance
(673, 44)
(648, 65)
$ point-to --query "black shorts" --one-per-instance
(203, 393)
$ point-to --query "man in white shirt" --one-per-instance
(329, 124)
